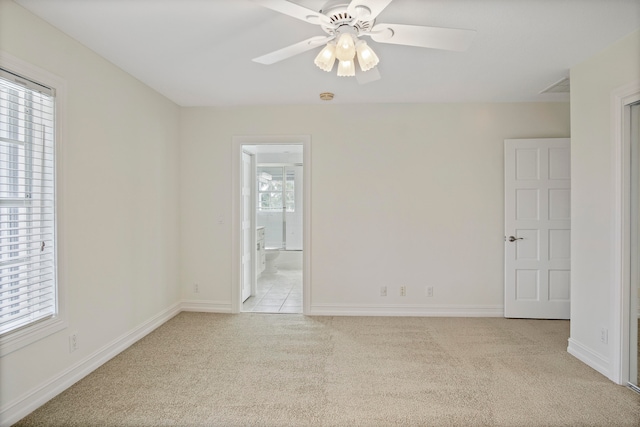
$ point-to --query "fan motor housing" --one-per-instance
(337, 12)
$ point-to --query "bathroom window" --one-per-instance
(276, 189)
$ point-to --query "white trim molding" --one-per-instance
(621, 98)
(207, 306)
(22, 406)
(589, 357)
(415, 310)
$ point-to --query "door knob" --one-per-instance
(513, 238)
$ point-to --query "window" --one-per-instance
(28, 286)
(275, 185)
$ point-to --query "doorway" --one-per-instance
(271, 224)
(278, 183)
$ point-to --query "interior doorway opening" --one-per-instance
(272, 221)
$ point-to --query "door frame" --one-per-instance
(621, 100)
(236, 211)
(252, 221)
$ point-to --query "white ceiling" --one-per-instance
(198, 52)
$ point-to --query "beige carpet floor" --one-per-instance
(254, 369)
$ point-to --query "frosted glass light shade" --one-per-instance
(346, 48)
(367, 58)
(347, 68)
(326, 58)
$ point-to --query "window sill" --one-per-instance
(16, 340)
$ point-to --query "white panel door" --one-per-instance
(537, 228)
(247, 247)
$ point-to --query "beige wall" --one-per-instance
(592, 262)
(401, 195)
(119, 202)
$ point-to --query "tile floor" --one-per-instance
(280, 292)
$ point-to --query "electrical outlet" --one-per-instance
(73, 342)
(604, 335)
(196, 288)
(430, 291)
(403, 291)
(383, 291)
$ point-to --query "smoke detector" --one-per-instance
(326, 96)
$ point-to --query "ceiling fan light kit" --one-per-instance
(347, 22)
(345, 51)
(346, 48)
(367, 58)
(346, 68)
(327, 57)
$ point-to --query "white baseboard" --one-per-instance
(206, 306)
(29, 402)
(589, 357)
(406, 310)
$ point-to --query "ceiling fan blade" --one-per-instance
(430, 37)
(294, 49)
(364, 77)
(367, 9)
(294, 10)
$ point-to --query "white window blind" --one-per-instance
(27, 204)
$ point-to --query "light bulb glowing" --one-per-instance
(367, 58)
(346, 68)
(326, 58)
(346, 48)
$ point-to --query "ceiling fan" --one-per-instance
(345, 22)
